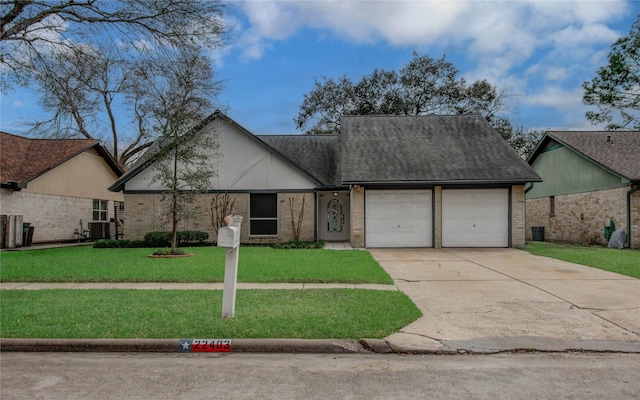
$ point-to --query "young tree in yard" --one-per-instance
(221, 206)
(615, 91)
(296, 222)
(174, 100)
(77, 54)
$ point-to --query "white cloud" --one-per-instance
(555, 97)
(537, 49)
(17, 103)
(557, 73)
(494, 26)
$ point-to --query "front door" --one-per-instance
(333, 216)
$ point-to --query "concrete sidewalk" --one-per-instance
(491, 300)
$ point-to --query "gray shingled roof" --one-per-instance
(454, 149)
(317, 155)
(621, 154)
(428, 149)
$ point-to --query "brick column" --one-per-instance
(437, 217)
(635, 220)
(517, 216)
(357, 217)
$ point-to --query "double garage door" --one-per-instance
(470, 218)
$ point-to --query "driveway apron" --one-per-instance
(508, 299)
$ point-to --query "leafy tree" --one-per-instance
(525, 141)
(429, 86)
(79, 53)
(423, 86)
(175, 101)
(615, 91)
(322, 108)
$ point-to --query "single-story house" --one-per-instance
(385, 181)
(590, 178)
(59, 186)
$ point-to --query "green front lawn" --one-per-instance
(625, 262)
(256, 265)
(318, 314)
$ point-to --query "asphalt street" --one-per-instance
(133, 376)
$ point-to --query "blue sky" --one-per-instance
(541, 51)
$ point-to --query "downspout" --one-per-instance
(525, 209)
(529, 188)
(629, 193)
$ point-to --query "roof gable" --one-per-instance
(24, 159)
(432, 149)
(148, 158)
(615, 151)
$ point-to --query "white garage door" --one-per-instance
(398, 218)
(475, 218)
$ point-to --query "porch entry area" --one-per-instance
(333, 216)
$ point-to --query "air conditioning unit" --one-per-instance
(99, 230)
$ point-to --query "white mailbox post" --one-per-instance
(229, 239)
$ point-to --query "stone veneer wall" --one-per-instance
(596, 207)
(357, 217)
(144, 213)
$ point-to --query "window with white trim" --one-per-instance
(263, 214)
(100, 210)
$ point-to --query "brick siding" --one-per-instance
(518, 215)
(145, 211)
(595, 207)
(53, 217)
(437, 223)
(357, 217)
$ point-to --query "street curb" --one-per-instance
(329, 346)
(541, 345)
(174, 345)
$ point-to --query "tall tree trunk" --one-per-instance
(112, 120)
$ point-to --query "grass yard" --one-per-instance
(625, 262)
(256, 265)
(320, 314)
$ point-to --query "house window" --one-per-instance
(100, 210)
(263, 214)
(552, 206)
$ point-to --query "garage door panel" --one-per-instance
(475, 218)
(398, 218)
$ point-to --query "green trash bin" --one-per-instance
(537, 233)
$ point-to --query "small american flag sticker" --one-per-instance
(204, 345)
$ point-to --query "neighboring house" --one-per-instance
(589, 178)
(385, 181)
(59, 186)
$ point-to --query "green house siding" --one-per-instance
(563, 171)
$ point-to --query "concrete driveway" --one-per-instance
(490, 300)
